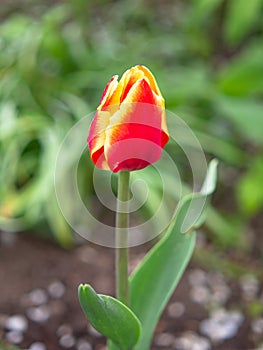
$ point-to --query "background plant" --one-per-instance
(55, 60)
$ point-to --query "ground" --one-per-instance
(39, 283)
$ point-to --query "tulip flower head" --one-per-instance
(129, 128)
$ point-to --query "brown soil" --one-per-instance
(29, 263)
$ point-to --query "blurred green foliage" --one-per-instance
(56, 58)
(4, 346)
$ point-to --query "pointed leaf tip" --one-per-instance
(192, 208)
(211, 178)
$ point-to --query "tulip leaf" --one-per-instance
(246, 116)
(110, 317)
(241, 17)
(250, 199)
(162, 268)
(243, 74)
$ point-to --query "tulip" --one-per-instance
(129, 128)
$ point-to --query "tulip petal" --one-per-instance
(151, 79)
(133, 154)
(111, 96)
(134, 137)
(159, 100)
(129, 78)
(143, 93)
(96, 138)
(108, 92)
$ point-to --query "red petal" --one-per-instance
(134, 138)
(134, 153)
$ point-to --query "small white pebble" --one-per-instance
(192, 341)
(249, 285)
(87, 254)
(14, 337)
(219, 315)
(37, 346)
(257, 326)
(236, 317)
(182, 343)
(164, 339)
(200, 294)
(197, 277)
(222, 325)
(176, 309)
(39, 314)
(63, 330)
(84, 345)
(38, 297)
(67, 341)
(56, 289)
(16, 323)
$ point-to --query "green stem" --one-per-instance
(122, 227)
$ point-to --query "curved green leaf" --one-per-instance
(241, 17)
(243, 74)
(110, 317)
(245, 114)
(157, 276)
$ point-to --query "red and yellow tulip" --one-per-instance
(129, 128)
